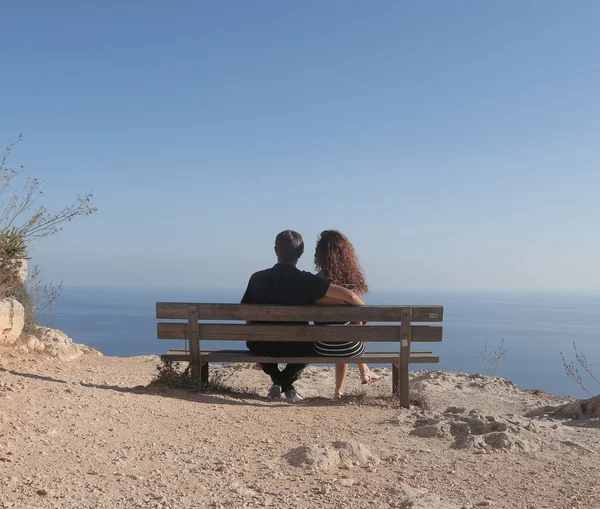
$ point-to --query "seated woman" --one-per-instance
(336, 261)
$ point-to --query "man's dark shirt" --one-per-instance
(286, 285)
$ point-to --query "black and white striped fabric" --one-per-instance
(349, 349)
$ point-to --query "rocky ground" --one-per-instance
(92, 433)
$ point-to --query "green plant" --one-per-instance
(24, 220)
(12, 246)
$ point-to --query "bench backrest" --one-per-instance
(216, 313)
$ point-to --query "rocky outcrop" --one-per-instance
(478, 432)
(55, 343)
(579, 409)
(22, 269)
(12, 321)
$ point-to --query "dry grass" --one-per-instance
(172, 375)
(418, 396)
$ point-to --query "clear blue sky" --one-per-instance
(457, 144)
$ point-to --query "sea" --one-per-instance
(533, 329)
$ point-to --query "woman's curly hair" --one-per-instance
(336, 260)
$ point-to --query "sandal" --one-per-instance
(369, 377)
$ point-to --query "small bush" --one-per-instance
(24, 220)
(492, 359)
(418, 396)
(170, 374)
(43, 296)
(573, 372)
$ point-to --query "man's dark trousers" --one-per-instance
(285, 378)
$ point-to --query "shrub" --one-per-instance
(24, 220)
(43, 297)
(573, 372)
(492, 359)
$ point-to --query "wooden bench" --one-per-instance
(399, 327)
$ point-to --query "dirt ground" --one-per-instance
(91, 433)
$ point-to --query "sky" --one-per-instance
(457, 144)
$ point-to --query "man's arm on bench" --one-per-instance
(340, 295)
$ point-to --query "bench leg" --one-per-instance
(195, 373)
(400, 385)
(405, 339)
(204, 375)
(403, 389)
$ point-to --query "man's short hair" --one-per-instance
(289, 246)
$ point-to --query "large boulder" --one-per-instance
(580, 409)
(12, 321)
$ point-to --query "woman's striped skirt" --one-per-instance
(346, 349)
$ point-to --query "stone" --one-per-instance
(57, 344)
(331, 455)
(439, 430)
(420, 498)
(580, 409)
(477, 432)
(455, 410)
(22, 270)
(12, 321)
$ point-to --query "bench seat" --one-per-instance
(383, 357)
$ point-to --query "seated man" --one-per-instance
(284, 284)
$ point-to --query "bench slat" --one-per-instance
(214, 311)
(238, 332)
(416, 357)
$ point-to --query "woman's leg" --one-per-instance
(363, 369)
(366, 375)
(340, 376)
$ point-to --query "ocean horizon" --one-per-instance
(535, 327)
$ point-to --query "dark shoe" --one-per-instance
(293, 395)
(275, 392)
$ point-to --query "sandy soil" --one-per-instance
(91, 434)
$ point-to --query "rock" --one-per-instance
(539, 411)
(22, 269)
(455, 410)
(57, 344)
(33, 344)
(420, 498)
(439, 430)
(12, 321)
(331, 455)
(477, 432)
(580, 409)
